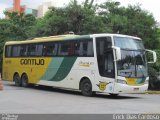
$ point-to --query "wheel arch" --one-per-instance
(24, 73)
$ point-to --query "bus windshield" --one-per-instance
(133, 62)
(128, 43)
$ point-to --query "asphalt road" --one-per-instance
(51, 100)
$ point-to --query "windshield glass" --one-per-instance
(133, 62)
(128, 43)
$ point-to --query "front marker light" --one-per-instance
(121, 81)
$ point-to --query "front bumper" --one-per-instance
(124, 88)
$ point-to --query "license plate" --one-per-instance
(135, 89)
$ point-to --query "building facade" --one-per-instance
(42, 9)
(23, 9)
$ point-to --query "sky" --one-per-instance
(149, 5)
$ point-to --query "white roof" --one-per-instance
(114, 35)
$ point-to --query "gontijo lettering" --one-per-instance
(32, 61)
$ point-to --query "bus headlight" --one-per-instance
(121, 81)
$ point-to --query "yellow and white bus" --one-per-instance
(109, 63)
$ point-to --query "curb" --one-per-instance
(153, 92)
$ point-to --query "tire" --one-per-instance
(17, 80)
(24, 79)
(86, 88)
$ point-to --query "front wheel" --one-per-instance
(86, 88)
(24, 79)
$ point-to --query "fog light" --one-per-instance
(121, 81)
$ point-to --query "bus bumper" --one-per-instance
(124, 88)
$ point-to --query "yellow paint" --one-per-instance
(84, 65)
(34, 72)
(102, 86)
(132, 81)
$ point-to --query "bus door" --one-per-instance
(105, 58)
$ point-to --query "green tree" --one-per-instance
(53, 23)
(131, 20)
(16, 27)
(79, 18)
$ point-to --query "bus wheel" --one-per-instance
(17, 80)
(24, 79)
(86, 87)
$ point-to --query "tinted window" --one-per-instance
(16, 51)
(87, 48)
(84, 48)
(35, 50)
(63, 49)
(39, 50)
(8, 51)
(81, 48)
(23, 50)
(50, 49)
(66, 48)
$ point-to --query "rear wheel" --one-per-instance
(86, 88)
(24, 79)
(17, 80)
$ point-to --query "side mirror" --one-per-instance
(154, 55)
(117, 52)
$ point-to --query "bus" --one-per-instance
(96, 63)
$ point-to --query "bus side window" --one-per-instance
(87, 48)
(78, 49)
(23, 51)
(39, 49)
(71, 49)
(8, 51)
(50, 49)
(35, 49)
(84, 51)
(16, 51)
(63, 48)
(90, 48)
(32, 50)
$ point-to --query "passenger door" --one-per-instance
(105, 57)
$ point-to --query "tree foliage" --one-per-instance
(16, 27)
